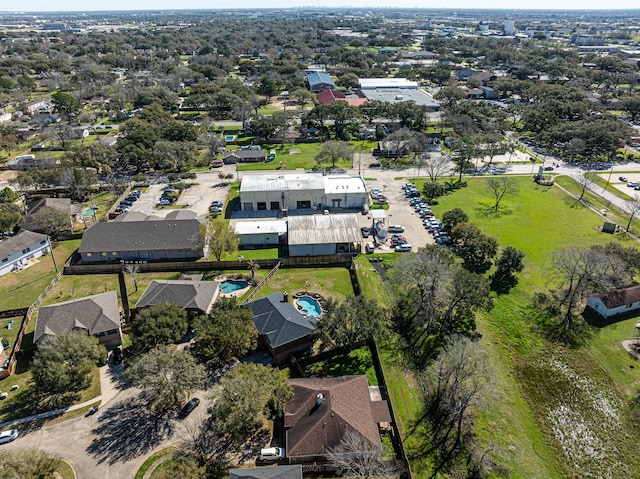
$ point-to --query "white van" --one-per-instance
(272, 453)
(369, 248)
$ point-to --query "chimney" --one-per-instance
(319, 399)
(285, 297)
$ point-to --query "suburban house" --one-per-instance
(322, 409)
(484, 78)
(616, 302)
(282, 328)
(302, 191)
(30, 162)
(319, 81)
(151, 240)
(261, 233)
(195, 297)
(99, 315)
(17, 250)
(315, 235)
(244, 156)
(293, 471)
(64, 205)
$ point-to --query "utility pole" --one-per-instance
(53, 257)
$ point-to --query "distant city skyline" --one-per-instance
(83, 5)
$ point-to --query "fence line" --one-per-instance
(262, 283)
(25, 324)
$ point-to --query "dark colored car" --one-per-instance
(189, 407)
(6, 344)
(116, 356)
(366, 231)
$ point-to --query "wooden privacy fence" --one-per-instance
(208, 265)
(25, 324)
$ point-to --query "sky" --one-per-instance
(87, 5)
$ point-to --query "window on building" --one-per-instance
(262, 205)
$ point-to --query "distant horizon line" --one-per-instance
(19, 12)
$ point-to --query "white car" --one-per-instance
(402, 248)
(272, 453)
(396, 229)
(8, 436)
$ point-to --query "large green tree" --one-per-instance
(64, 362)
(219, 238)
(10, 216)
(227, 333)
(354, 320)
(251, 393)
(474, 247)
(52, 221)
(333, 151)
(66, 104)
(159, 324)
(27, 463)
(166, 376)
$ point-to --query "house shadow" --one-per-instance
(594, 319)
(129, 429)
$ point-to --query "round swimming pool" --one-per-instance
(309, 306)
(230, 286)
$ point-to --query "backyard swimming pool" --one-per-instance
(229, 286)
(309, 306)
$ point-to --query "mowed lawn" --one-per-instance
(543, 392)
(328, 282)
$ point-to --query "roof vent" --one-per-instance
(319, 399)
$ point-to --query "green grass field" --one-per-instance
(328, 282)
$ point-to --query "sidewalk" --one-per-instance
(107, 389)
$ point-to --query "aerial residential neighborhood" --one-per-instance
(319, 243)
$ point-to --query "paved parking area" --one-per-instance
(399, 213)
(196, 198)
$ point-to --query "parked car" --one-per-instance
(272, 453)
(444, 239)
(380, 201)
(189, 407)
(369, 248)
(408, 186)
(164, 202)
(366, 231)
(622, 178)
(548, 168)
(402, 248)
(217, 203)
(412, 194)
(122, 209)
(215, 209)
(396, 229)
(632, 184)
(5, 344)
(8, 436)
(126, 203)
(116, 356)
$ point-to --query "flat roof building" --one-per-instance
(380, 83)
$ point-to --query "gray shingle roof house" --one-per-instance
(99, 315)
(194, 296)
(154, 240)
(283, 329)
(322, 409)
(277, 472)
(18, 249)
(244, 156)
(63, 205)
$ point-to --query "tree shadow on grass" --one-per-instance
(129, 429)
(487, 209)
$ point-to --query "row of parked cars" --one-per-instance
(168, 197)
(378, 197)
(126, 204)
(432, 224)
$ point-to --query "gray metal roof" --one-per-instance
(319, 78)
(324, 229)
(22, 240)
(280, 321)
(396, 95)
(293, 471)
(283, 182)
(187, 294)
(141, 236)
(97, 314)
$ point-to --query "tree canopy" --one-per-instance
(160, 324)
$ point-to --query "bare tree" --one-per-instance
(436, 166)
(356, 456)
(132, 269)
(501, 187)
(583, 178)
(632, 206)
(452, 389)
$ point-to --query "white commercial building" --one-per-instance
(302, 191)
(376, 83)
(260, 233)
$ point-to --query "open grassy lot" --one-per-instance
(328, 282)
(357, 361)
(555, 412)
(21, 289)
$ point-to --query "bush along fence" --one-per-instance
(25, 324)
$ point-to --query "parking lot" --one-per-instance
(196, 198)
(399, 213)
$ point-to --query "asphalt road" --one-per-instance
(114, 442)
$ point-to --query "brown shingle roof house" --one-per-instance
(615, 302)
(322, 409)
